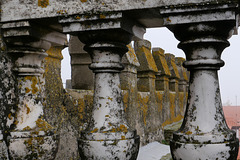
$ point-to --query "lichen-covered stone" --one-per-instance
(204, 133)
(60, 110)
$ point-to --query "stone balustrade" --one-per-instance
(101, 122)
(149, 103)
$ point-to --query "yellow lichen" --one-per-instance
(83, 0)
(143, 105)
(27, 90)
(27, 128)
(188, 132)
(109, 98)
(149, 58)
(43, 125)
(172, 105)
(10, 116)
(77, 17)
(168, 20)
(28, 109)
(94, 130)
(170, 121)
(102, 16)
(43, 3)
(113, 130)
(125, 101)
(123, 128)
(160, 101)
(81, 106)
(16, 122)
(33, 85)
(62, 12)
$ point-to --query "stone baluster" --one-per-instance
(106, 36)
(204, 133)
(30, 136)
(109, 128)
(80, 60)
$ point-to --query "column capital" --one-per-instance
(200, 12)
(204, 42)
(28, 41)
(31, 34)
(102, 21)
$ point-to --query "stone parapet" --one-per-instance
(147, 110)
(68, 113)
(30, 128)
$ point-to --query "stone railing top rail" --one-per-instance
(13, 10)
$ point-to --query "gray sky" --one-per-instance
(229, 75)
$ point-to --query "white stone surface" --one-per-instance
(19, 9)
(153, 151)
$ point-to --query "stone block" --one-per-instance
(82, 77)
(182, 73)
(147, 69)
(173, 85)
(128, 76)
(162, 77)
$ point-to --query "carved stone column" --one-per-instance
(204, 133)
(30, 136)
(106, 36)
(108, 136)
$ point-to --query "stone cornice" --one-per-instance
(12, 10)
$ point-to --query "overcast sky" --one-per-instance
(229, 75)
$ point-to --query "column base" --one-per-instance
(219, 151)
(33, 145)
(110, 146)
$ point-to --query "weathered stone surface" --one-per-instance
(80, 61)
(8, 96)
(162, 77)
(17, 10)
(209, 138)
(59, 107)
(137, 105)
(147, 68)
(30, 29)
(128, 80)
(29, 135)
(107, 135)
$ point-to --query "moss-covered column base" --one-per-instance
(30, 136)
(108, 135)
(204, 133)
